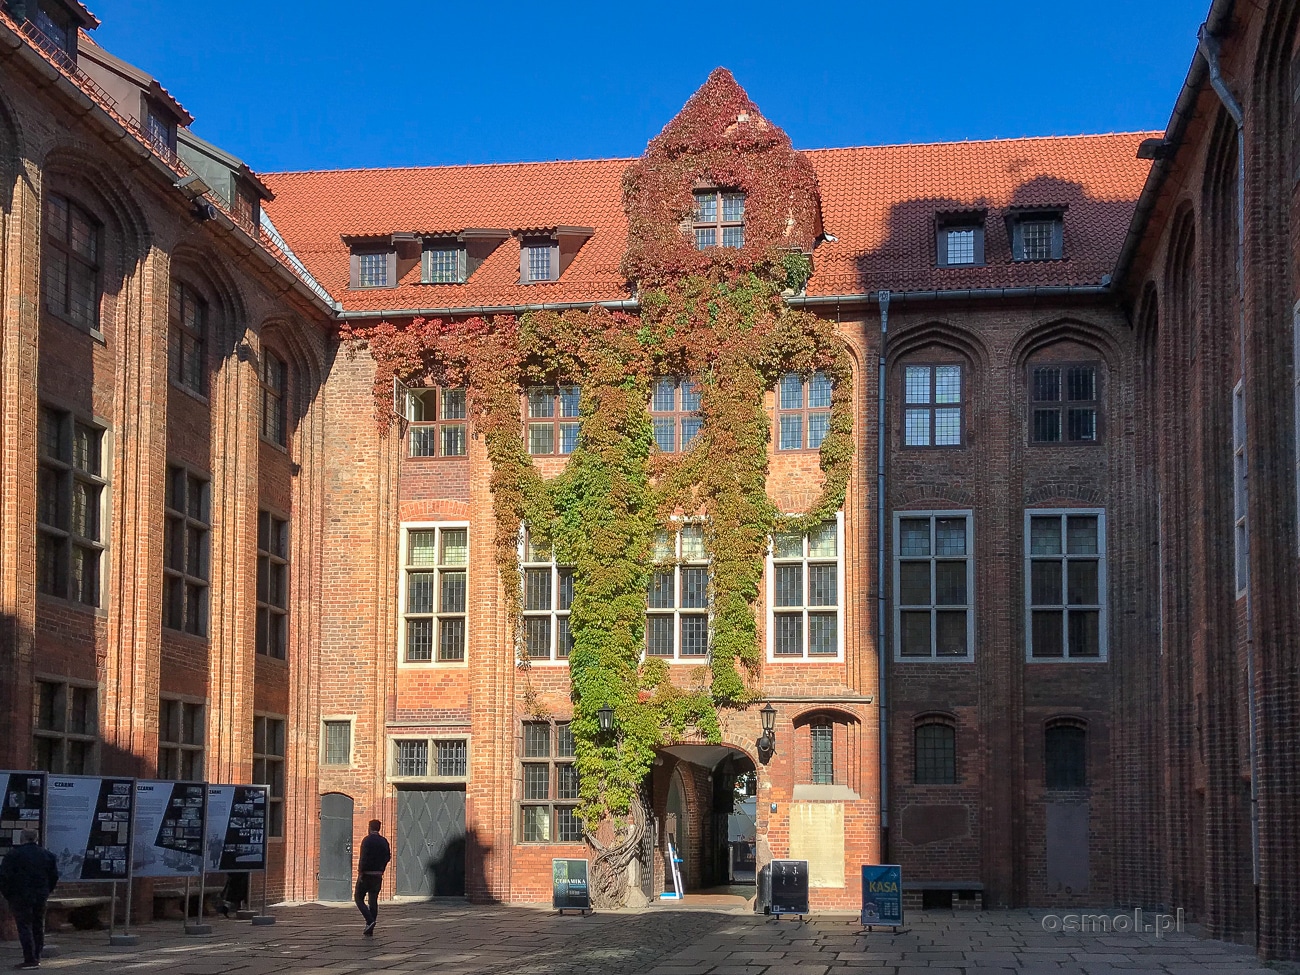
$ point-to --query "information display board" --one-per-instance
(789, 887)
(882, 894)
(569, 891)
(236, 827)
(169, 829)
(22, 806)
(88, 826)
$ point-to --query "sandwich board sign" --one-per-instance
(882, 895)
(569, 890)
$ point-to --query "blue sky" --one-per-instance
(401, 82)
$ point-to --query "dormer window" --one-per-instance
(960, 241)
(444, 262)
(372, 269)
(1036, 235)
(160, 127)
(544, 255)
(719, 219)
(539, 259)
(57, 30)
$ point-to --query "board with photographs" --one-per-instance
(169, 827)
(88, 826)
(22, 806)
(237, 827)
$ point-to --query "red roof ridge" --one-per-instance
(420, 169)
(991, 141)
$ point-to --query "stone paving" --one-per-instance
(460, 940)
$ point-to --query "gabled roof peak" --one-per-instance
(720, 113)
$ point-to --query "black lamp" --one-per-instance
(767, 740)
(606, 718)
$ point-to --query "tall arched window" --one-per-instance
(935, 750)
(1065, 754)
(272, 382)
(71, 278)
(187, 337)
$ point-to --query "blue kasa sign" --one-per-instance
(882, 894)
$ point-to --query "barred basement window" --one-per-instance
(1065, 750)
(268, 768)
(1064, 415)
(435, 595)
(933, 585)
(548, 812)
(272, 585)
(452, 757)
(804, 594)
(548, 597)
(186, 553)
(181, 736)
(1065, 584)
(70, 486)
(71, 273)
(932, 411)
(272, 383)
(677, 614)
(338, 743)
(719, 218)
(411, 758)
(675, 412)
(803, 405)
(437, 422)
(65, 728)
(822, 740)
(188, 334)
(935, 747)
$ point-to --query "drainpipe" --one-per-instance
(882, 652)
(1208, 46)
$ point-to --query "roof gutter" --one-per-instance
(627, 304)
(959, 294)
(1184, 108)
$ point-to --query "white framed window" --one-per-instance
(552, 419)
(805, 593)
(934, 585)
(1241, 537)
(1065, 584)
(677, 605)
(336, 740)
(675, 413)
(803, 406)
(435, 587)
(444, 758)
(182, 732)
(443, 262)
(548, 596)
(437, 422)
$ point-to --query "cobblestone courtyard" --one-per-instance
(316, 940)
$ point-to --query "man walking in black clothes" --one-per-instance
(375, 855)
(27, 876)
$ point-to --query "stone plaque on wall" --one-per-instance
(817, 835)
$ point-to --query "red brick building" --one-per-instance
(1044, 655)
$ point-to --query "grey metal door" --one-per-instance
(334, 881)
(430, 849)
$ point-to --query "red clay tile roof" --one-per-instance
(879, 201)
